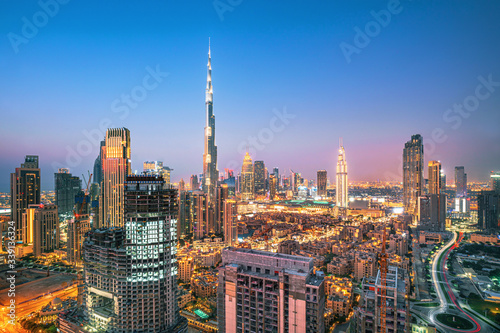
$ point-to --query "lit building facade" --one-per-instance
(247, 187)
(413, 177)
(434, 176)
(495, 181)
(259, 178)
(230, 222)
(66, 188)
(321, 177)
(273, 185)
(24, 191)
(116, 168)
(342, 182)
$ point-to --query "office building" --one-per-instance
(116, 168)
(230, 222)
(431, 210)
(130, 275)
(210, 172)
(443, 180)
(434, 176)
(488, 211)
(97, 175)
(40, 227)
(185, 222)
(194, 183)
(199, 214)
(397, 316)
(460, 182)
(24, 191)
(321, 179)
(273, 185)
(259, 178)
(413, 177)
(221, 197)
(157, 168)
(78, 227)
(269, 292)
(342, 183)
(247, 187)
(66, 188)
(495, 181)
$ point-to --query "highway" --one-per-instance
(26, 308)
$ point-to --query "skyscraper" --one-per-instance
(24, 191)
(273, 184)
(495, 181)
(194, 183)
(199, 211)
(247, 189)
(434, 177)
(260, 177)
(97, 175)
(66, 188)
(41, 228)
(342, 184)
(210, 172)
(460, 182)
(488, 211)
(262, 291)
(443, 180)
(221, 197)
(130, 273)
(230, 222)
(116, 168)
(321, 180)
(413, 177)
(78, 227)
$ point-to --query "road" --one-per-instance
(26, 308)
(448, 302)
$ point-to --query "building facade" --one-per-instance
(434, 176)
(247, 186)
(321, 179)
(413, 177)
(488, 211)
(460, 182)
(230, 222)
(342, 185)
(66, 188)
(259, 178)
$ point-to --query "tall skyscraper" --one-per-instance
(443, 180)
(273, 184)
(269, 292)
(230, 222)
(97, 175)
(210, 172)
(431, 212)
(130, 273)
(221, 197)
(247, 188)
(259, 177)
(434, 177)
(66, 188)
(495, 181)
(194, 183)
(276, 173)
(342, 183)
(488, 211)
(182, 185)
(116, 168)
(321, 180)
(413, 177)
(78, 227)
(199, 214)
(460, 182)
(24, 191)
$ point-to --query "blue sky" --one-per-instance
(266, 57)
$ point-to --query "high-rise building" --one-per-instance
(397, 316)
(130, 273)
(199, 212)
(210, 172)
(434, 176)
(230, 222)
(273, 185)
(41, 228)
(221, 197)
(24, 191)
(269, 292)
(185, 222)
(182, 185)
(443, 180)
(66, 188)
(247, 187)
(157, 168)
(259, 177)
(495, 181)
(194, 183)
(186, 266)
(413, 177)
(276, 173)
(342, 182)
(97, 175)
(321, 180)
(460, 182)
(78, 227)
(488, 212)
(116, 168)
(431, 212)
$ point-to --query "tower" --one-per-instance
(116, 168)
(66, 188)
(342, 186)
(413, 178)
(434, 176)
(260, 178)
(210, 172)
(321, 182)
(460, 182)
(247, 179)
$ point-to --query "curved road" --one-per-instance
(449, 303)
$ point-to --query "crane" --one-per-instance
(84, 200)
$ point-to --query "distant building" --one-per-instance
(273, 185)
(116, 168)
(434, 175)
(342, 186)
(259, 178)
(488, 211)
(269, 292)
(66, 188)
(460, 182)
(247, 186)
(365, 265)
(230, 222)
(199, 211)
(222, 194)
(186, 266)
(97, 175)
(321, 180)
(432, 212)
(413, 178)
(495, 181)
(194, 183)
(41, 228)
(24, 191)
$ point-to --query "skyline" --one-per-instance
(74, 70)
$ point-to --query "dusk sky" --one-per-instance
(67, 77)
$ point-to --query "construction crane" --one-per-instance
(383, 283)
(84, 200)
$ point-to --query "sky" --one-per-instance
(290, 78)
